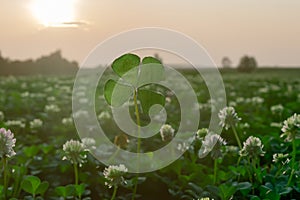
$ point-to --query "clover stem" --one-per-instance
(137, 114)
(215, 170)
(76, 173)
(249, 173)
(5, 176)
(254, 167)
(239, 160)
(114, 155)
(114, 193)
(236, 136)
(139, 140)
(293, 162)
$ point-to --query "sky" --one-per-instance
(269, 30)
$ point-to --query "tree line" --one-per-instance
(246, 64)
(52, 64)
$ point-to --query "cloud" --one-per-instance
(69, 24)
(76, 23)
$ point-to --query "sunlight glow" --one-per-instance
(54, 13)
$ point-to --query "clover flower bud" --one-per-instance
(74, 151)
(252, 147)
(291, 128)
(212, 143)
(36, 123)
(114, 175)
(228, 117)
(201, 133)
(166, 132)
(7, 142)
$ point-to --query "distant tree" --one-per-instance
(226, 62)
(247, 64)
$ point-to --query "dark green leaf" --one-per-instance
(226, 191)
(30, 184)
(244, 187)
(252, 197)
(42, 188)
(150, 73)
(116, 94)
(61, 191)
(125, 63)
(80, 189)
(31, 151)
(149, 59)
(65, 191)
(149, 98)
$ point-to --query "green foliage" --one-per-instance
(34, 186)
(119, 97)
(65, 191)
(134, 76)
(125, 63)
(150, 98)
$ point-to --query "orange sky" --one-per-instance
(268, 30)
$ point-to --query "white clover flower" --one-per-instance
(277, 109)
(232, 103)
(257, 100)
(168, 100)
(277, 157)
(16, 123)
(80, 114)
(245, 125)
(104, 116)
(75, 152)
(7, 142)
(24, 85)
(1, 116)
(114, 175)
(291, 128)
(25, 94)
(51, 99)
(166, 132)
(89, 144)
(48, 89)
(233, 94)
(276, 124)
(240, 100)
(228, 117)
(252, 147)
(83, 100)
(232, 149)
(80, 94)
(212, 143)
(67, 121)
(52, 108)
(36, 123)
(182, 147)
(277, 88)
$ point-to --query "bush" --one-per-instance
(247, 64)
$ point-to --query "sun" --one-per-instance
(54, 13)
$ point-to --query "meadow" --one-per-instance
(256, 155)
